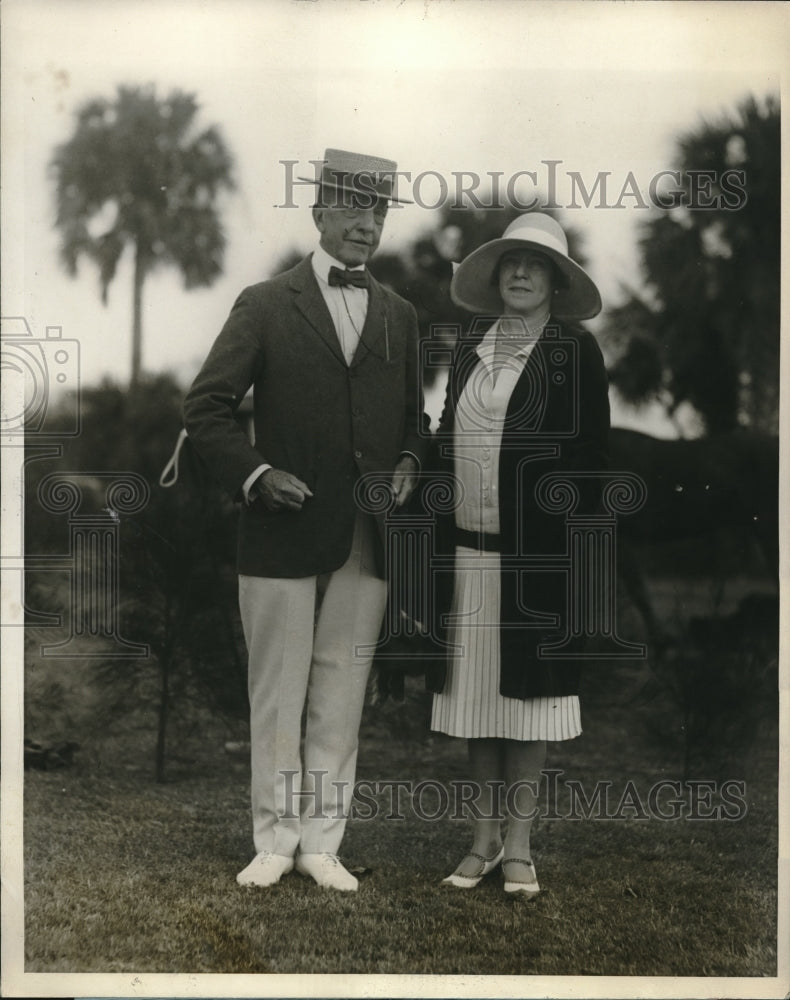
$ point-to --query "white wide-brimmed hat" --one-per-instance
(473, 286)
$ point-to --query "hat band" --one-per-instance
(361, 182)
(540, 238)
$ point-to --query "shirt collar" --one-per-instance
(322, 261)
(487, 345)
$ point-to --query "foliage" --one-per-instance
(708, 333)
(720, 680)
(180, 599)
(137, 172)
(177, 577)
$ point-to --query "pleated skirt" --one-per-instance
(470, 705)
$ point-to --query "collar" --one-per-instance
(322, 261)
(487, 346)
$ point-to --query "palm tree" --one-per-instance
(137, 172)
(707, 332)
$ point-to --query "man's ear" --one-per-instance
(318, 218)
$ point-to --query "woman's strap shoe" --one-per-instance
(529, 886)
(484, 867)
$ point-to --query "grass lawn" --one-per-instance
(125, 875)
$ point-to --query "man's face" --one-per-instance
(350, 232)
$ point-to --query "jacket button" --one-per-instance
(357, 454)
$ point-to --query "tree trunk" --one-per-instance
(137, 315)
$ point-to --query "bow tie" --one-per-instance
(346, 278)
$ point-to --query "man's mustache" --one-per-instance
(357, 239)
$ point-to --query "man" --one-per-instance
(332, 358)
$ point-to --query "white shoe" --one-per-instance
(265, 869)
(484, 867)
(529, 886)
(327, 871)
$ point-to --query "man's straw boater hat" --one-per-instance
(474, 286)
(357, 173)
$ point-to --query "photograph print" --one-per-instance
(391, 487)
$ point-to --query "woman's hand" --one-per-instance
(404, 479)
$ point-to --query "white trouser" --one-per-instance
(302, 638)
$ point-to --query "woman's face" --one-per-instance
(526, 283)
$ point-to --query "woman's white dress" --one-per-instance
(470, 705)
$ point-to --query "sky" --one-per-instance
(436, 85)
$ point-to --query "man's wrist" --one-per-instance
(251, 480)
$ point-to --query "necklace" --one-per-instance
(516, 329)
(509, 344)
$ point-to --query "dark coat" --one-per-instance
(557, 421)
(315, 416)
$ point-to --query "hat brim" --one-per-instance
(356, 190)
(471, 287)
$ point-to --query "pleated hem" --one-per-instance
(471, 706)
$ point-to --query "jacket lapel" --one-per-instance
(310, 302)
(465, 363)
(526, 409)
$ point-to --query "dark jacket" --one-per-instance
(316, 417)
(557, 421)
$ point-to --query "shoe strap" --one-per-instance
(474, 854)
(518, 861)
(483, 861)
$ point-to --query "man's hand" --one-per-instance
(404, 479)
(280, 490)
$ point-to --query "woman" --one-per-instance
(527, 395)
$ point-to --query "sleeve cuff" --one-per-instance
(250, 480)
